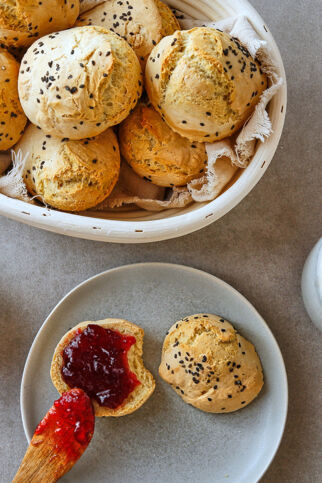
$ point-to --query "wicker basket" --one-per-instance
(139, 226)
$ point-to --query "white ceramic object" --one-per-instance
(312, 284)
(140, 226)
(166, 439)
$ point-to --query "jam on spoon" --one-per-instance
(60, 439)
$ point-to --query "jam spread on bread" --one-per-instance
(70, 423)
(96, 361)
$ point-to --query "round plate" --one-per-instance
(166, 439)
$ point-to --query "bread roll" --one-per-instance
(79, 82)
(24, 21)
(204, 82)
(12, 117)
(70, 175)
(210, 365)
(142, 23)
(134, 358)
(169, 21)
(157, 153)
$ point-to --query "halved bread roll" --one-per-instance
(64, 364)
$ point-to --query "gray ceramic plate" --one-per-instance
(166, 440)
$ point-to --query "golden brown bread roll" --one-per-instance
(79, 82)
(12, 117)
(210, 365)
(142, 23)
(204, 83)
(141, 392)
(157, 153)
(70, 175)
(24, 21)
(169, 21)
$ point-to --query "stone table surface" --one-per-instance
(259, 248)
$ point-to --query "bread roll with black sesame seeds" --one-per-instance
(210, 365)
(12, 117)
(24, 21)
(205, 83)
(140, 22)
(79, 82)
(70, 175)
(157, 153)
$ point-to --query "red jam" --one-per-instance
(69, 424)
(96, 361)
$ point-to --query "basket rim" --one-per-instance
(127, 231)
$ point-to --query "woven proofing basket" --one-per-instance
(139, 226)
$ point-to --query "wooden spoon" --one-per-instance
(60, 439)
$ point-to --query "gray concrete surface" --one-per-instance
(259, 248)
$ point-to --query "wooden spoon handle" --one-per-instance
(60, 439)
(40, 465)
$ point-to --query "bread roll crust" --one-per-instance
(79, 82)
(70, 175)
(204, 82)
(169, 21)
(24, 21)
(157, 153)
(210, 365)
(12, 117)
(139, 395)
(142, 26)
